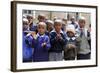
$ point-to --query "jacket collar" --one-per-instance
(73, 38)
(38, 35)
(55, 31)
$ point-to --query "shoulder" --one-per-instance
(46, 36)
(64, 34)
(52, 32)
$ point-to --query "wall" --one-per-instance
(5, 37)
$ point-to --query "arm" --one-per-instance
(46, 45)
(53, 38)
(63, 39)
(28, 40)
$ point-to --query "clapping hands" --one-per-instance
(71, 46)
(58, 37)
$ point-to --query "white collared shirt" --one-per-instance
(73, 38)
(55, 31)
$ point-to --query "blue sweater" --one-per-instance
(57, 45)
(27, 47)
(40, 52)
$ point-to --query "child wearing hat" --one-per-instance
(73, 22)
(41, 18)
(49, 24)
(42, 44)
(84, 48)
(25, 24)
(70, 50)
(58, 40)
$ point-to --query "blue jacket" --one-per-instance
(57, 45)
(27, 48)
(40, 52)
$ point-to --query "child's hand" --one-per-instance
(29, 23)
(34, 34)
(44, 44)
(71, 46)
(58, 36)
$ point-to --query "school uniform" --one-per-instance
(84, 48)
(56, 50)
(27, 48)
(40, 52)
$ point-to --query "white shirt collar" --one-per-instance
(55, 31)
(41, 35)
(73, 38)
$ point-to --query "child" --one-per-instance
(27, 43)
(58, 40)
(31, 24)
(76, 25)
(41, 18)
(73, 22)
(42, 44)
(25, 24)
(70, 49)
(84, 50)
(49, 24)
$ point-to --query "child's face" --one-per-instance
(25, 25)
(41, 19)
(81, 23)
(30, 19)
(49, 26)
(41, 29)
(57, 27)
(70, 34)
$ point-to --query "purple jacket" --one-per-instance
(27, 48)
(40, 52)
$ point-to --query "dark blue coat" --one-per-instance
(57, 45)
(41, 53)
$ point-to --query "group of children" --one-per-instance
(48, 41)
